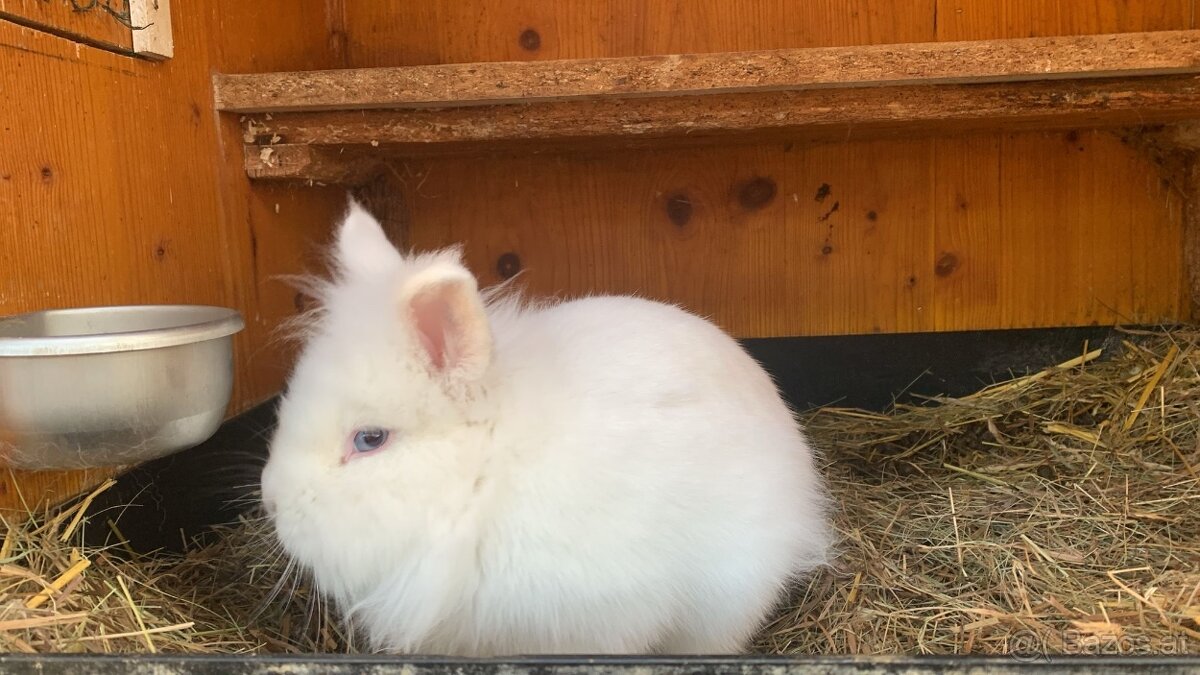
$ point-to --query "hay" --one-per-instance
(234, 596)
(56, 597)
(1055, 513)
(1050, 514)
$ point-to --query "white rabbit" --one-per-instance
(467, 475)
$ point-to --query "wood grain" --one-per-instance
(826, 240)
(415, 32)
(119, 184)
(757, 238)
(992, 19)
(1022, 243)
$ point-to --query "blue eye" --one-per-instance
(369, 440)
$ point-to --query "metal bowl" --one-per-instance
(111, 386)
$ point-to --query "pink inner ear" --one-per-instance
(433, 322)
(451, 327)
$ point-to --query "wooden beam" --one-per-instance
(812, 115)
(332, 166)
(783, 70)
(820, 113)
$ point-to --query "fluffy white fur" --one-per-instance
(605, 475)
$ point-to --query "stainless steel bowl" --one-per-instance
(110, 386)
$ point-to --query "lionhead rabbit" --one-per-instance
(466, 474)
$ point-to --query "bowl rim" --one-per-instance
(211, 322)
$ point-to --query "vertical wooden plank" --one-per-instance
(1066, 239)
(272, 230)
(412, 32)
(975, 20)
(968, 251)
(1104, 234)
(686, 26)
(856, 249)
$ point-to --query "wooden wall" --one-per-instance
(119, 184)
(908, 235)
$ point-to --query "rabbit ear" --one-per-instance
(362, 245)
(443, 307)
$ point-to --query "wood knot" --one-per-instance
(508, 265)
(945, 265)
(822, 192)
(872, 216)
(756, 193)
(47, 174)
(530, 40)
(679, 209)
